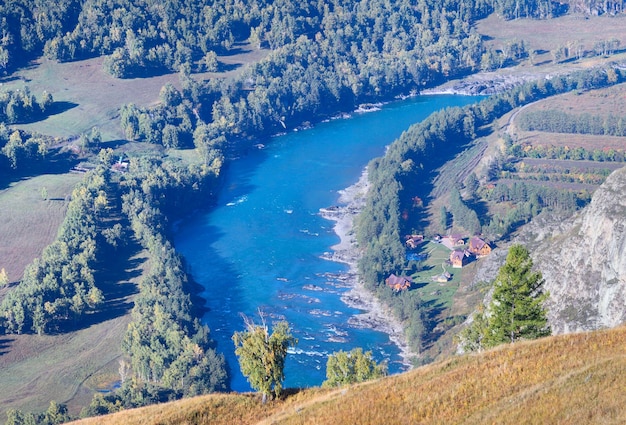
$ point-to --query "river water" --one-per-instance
(260, 248)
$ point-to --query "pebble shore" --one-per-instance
(375, 315)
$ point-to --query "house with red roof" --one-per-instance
(479, 247)
(398, 283)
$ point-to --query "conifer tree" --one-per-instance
(516, 311)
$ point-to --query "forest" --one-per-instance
(325, 58)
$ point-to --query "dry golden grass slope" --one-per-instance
(570, 379)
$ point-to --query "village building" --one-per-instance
(450, 241)
(459, 258)
(413, 241)
(479, 247)
(442, 278)
(398, 283)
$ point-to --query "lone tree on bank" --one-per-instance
(516, 311)
(262, 355)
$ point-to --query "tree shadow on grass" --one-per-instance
(60, 107)
(225, 67)
(5, 343)
(481, 208)
(114, 276)
(54, 109)
(432, 317)
(237, 49)
(55, 164)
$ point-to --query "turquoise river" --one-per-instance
(260, 248)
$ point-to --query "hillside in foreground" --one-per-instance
(576, 378)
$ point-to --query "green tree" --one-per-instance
(56, 414)
(262, 355)
(343, 368)
(46, 101)
(4, 278)
(471, 185)
(516, 311)
(210, 62)
(4, 58)
(443, 219)
(471, 338)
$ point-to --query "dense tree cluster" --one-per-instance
(330, 58)
(170, 124)
(20, 148)
(525, 201)
(55, 415)
(156, 36)
(515, 9)
(59, 288)
(26, 26)
(169, 350)
(565, 152)
(151, 36)
(166, 345)
(463, 215)
(345, 368)
(554, 121)
(597, 7)
(19, 106)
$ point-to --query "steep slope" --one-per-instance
(576, 378)
(584, 262)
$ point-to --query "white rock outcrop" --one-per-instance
(583, 262)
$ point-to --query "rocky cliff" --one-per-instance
(583, 261)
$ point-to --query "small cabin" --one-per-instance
(450, 241)
(459, 258)
(442, 278)
(413, 241)
(398, 283)
(479, 247)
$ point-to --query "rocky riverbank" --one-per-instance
(375, 315)
(484, 83)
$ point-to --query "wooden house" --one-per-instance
(413, 241)
(459, 258)
(450, 241)
(398, 283)
(479, 247)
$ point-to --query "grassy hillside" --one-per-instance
(566, 379)
(28, 222)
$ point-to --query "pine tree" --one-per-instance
(517, 310)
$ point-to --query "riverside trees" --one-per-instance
(344, 368)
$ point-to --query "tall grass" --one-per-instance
(572, 379)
